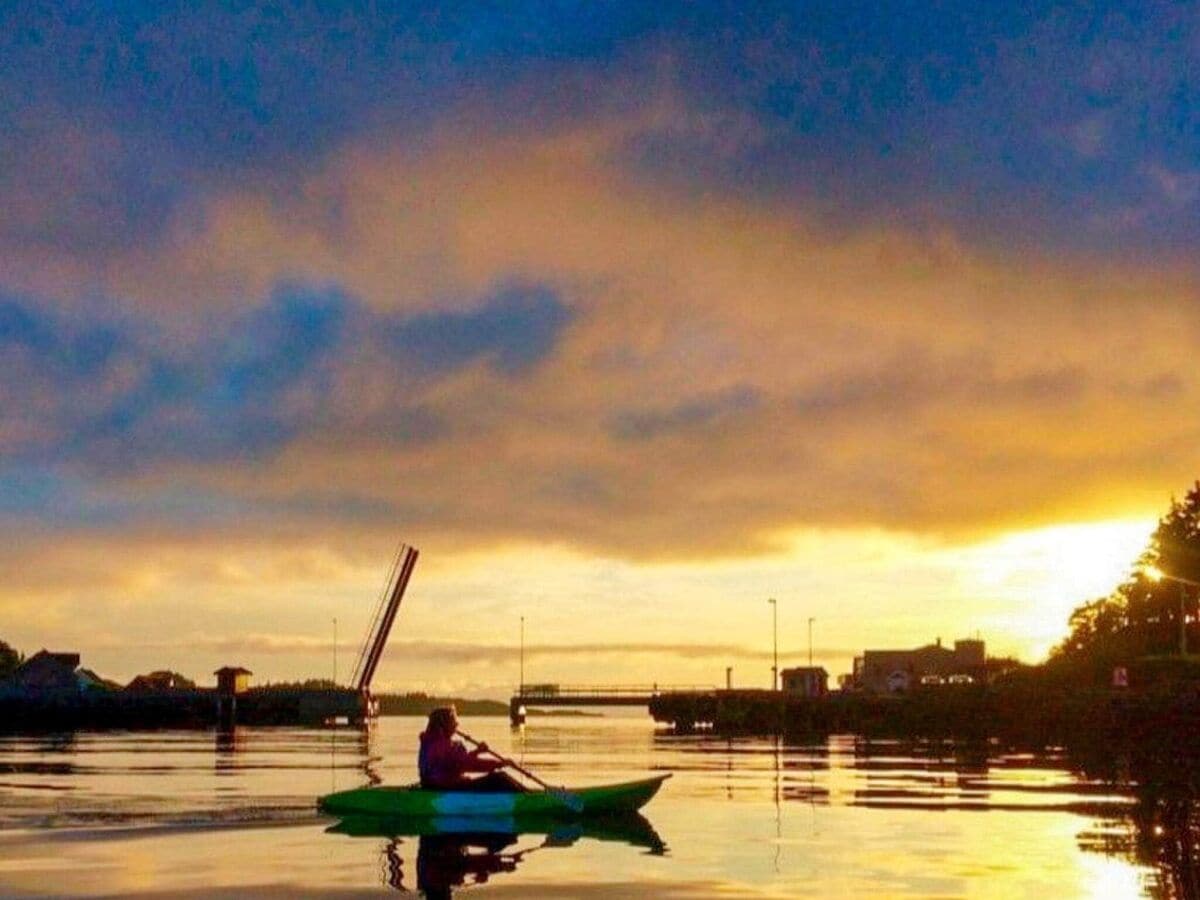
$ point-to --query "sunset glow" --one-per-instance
(628, 327)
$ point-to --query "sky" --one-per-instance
(629, 316)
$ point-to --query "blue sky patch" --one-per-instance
(115, 399)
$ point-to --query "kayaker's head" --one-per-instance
(443, 721)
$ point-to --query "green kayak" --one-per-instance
(415, 801)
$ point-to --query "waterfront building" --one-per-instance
(805, 681)
(162, 680)
(893, 671)
(233, 680)
(90, 681)
(47, 672)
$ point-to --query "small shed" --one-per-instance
(806, 681)
(233, 680)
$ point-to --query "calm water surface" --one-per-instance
(190, 813)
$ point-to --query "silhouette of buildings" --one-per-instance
(162, 680)
(805, 681)
(46, 671)
(893, 671)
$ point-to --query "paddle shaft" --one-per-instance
(509, 763)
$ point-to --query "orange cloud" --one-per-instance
(900, 379)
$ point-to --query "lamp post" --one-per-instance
(521, 690)
(810, 621)
(774, 644)
(335, 651)
(1154, 573)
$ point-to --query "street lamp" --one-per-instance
(521, 690)
(775, 644)
(1154, 573)
(810, 621)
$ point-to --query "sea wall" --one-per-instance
(200, 708)
(969, 711)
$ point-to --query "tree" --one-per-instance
(9, 660)
(1141, 616)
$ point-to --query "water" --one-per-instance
(194, 814)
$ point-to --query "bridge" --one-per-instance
(592, 695)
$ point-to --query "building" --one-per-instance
(805, 681)
(46, 671)
(893, 671)
(161, 681)
(90, 681)
(233, 680)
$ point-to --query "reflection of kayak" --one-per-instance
(455, 850)
(415, 801)
(627, 828)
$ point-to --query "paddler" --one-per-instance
(445, 763)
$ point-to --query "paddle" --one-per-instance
(573, 802)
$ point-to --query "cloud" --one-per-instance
(102, 393)
(488, 332)
(516, 328)
(911, 381)
(1090, 135)
(1028, 129)
(669, 283)
(1179, 189)
(694, 413)
(504, 338)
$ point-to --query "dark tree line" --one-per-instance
(9, 660)
(1141, 617)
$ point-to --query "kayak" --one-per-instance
(621, 827)
(416, 801)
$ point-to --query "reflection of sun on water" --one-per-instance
(1050, 571)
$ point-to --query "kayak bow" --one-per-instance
(416, 801)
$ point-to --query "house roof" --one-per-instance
(90, 678)
(66, 660)
(232, 670)
(159, 680)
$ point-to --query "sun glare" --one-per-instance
(1053, 570)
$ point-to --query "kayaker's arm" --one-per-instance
(472, 761)
(476, 764)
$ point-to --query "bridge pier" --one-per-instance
(516, 711)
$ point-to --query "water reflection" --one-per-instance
(1161, 829)
(226, 745)
(835, 816)
(1137, 802)
(453, 852)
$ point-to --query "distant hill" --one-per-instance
(422, 704)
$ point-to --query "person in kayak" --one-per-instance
(444, 763)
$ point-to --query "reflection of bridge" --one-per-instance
(593, 695)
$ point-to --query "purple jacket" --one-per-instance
(443, 763)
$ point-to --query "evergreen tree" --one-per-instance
(1141, 616)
